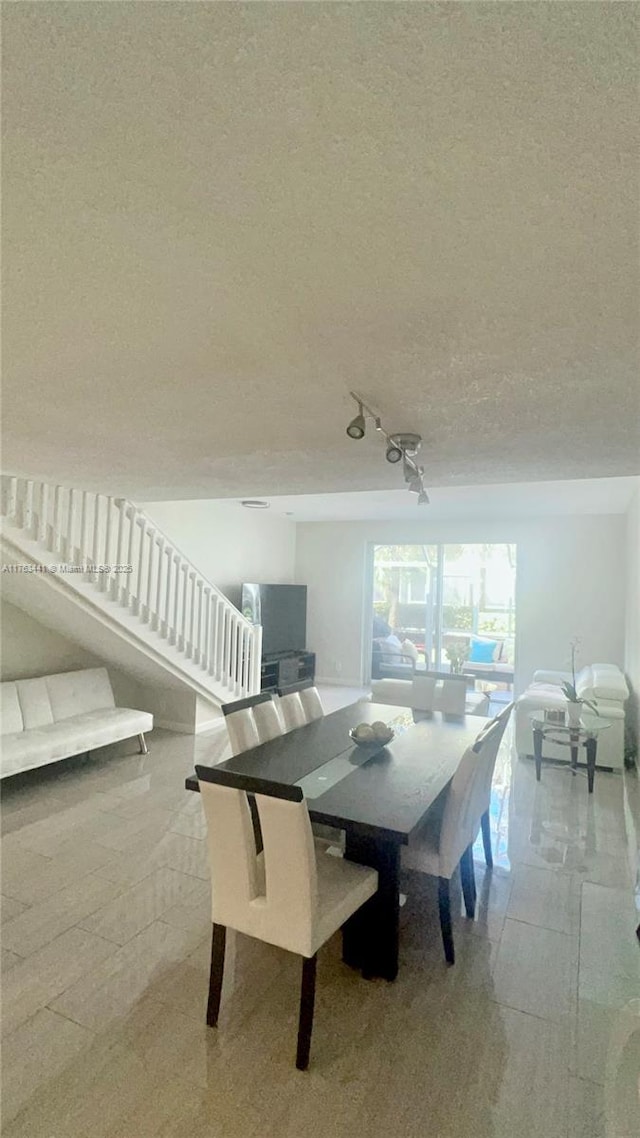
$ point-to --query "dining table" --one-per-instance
(379, 795)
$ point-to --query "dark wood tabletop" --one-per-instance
(384, 791)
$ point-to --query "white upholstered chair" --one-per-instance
(311, 703)
(268, 720)
(448, 693)
(293, 894)
(292, 711)
(432, 691)
(446, 840)
(242, 730)
(241, 724)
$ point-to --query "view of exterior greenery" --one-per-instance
(459, 590)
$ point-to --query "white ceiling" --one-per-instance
(221, 217)
(512, 500)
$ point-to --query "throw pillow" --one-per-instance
(409, 649)
(482, 651)
(391, 646)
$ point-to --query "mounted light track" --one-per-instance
(402, 446)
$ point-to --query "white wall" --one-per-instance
(571, 582)
(228, 543)
(28, 649)
(632, 627)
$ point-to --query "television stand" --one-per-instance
(285, 672)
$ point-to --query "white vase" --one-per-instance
(574, 711)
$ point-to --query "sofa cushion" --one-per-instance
(39, 745)
(604, 683)
(101, 727)
(72, 693)
(10, 709)
(34, 702)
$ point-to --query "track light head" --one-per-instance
(357, 426)
(401, 447)
(394, 454)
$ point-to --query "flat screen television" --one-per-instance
(282, 612)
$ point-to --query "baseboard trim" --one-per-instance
(174, 725)
(209, 724)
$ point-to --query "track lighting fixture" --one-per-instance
(357, 426)
(401, 447)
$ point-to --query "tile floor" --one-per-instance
(535, 1031)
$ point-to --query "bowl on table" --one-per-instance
(371, 734)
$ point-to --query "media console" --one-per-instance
(287, 671)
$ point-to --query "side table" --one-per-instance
(572, 735)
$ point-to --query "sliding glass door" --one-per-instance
(455, 604)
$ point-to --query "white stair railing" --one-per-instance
(119, 550)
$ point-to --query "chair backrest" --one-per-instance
(311, 703)
(268, 721)
(241, 725)
(242, 731)
(439, 691)
(423, 690)
(292, 711)
(451, 694)
(248, 701)
(468, 796)
(490, 738)
(272, 895)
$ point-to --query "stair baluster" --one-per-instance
(201, 629)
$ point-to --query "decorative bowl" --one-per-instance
(375, 742)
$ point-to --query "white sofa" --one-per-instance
(55, 717)
(604, 684)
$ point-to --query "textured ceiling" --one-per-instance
(221, 217)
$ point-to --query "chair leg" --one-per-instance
(486, 839)
(307, 1001)
(468, 879)
(218, 941)
(144, 750)
(444, 905)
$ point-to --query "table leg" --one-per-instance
(370, 936)
(591, 746)
(574, 739)
(537, 751)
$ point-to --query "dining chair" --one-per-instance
(292, 894)
(311, 703)
(241, 724)
(432, 691)
(292, 711)
(485, 823)
(440, 691)
(446, 840)
(268, 720)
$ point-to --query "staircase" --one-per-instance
(106, 555)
